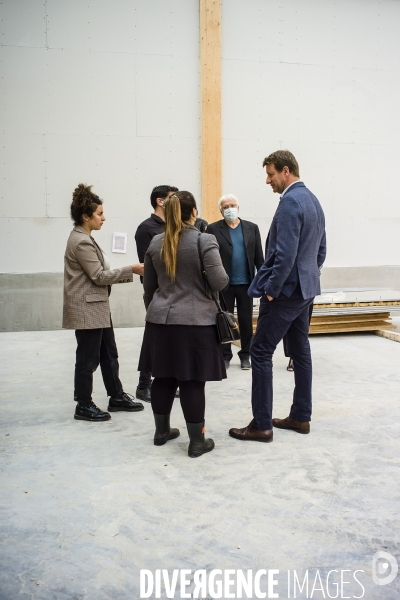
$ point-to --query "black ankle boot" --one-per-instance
(163, 430)
(198, 445)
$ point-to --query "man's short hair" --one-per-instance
(161, 191)
(283, 158)
(225, 198)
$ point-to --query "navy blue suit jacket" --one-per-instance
(296, 247)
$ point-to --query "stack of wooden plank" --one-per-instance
(347, 322)
(354, 310)
(339, 311)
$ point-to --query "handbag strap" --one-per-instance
(204, 274)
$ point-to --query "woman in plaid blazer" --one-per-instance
(87, 285)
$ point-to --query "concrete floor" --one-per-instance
(85, 506)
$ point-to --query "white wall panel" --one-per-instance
(251, 30)
(173, 161)
(101, 161)
(245, 179)
(320, 103)
(167, 27)
(91, 92)
(167, 101)
(243, 99)
(123, 169)
(22, 175)
(70, 110)
(112, 90)
(23, 22)
(130, 26)
(321, 79)
(68, 24)
(69, 98)
(23, 89)
(33, 245)
(347, 33)
(92, 25)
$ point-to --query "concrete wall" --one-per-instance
(33, 301)
(108, 93)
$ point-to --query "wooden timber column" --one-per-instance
(210, 58)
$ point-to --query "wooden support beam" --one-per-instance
(210, 59)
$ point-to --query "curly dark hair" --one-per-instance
(283, 158)
(84, 202)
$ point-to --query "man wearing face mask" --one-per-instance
(152, 226)
(241, 254)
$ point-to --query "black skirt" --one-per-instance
(185, 352)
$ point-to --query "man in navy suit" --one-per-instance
(287, 283)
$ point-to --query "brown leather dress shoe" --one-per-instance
(288, 423)
(251, 433)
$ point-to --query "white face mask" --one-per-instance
(231, 214)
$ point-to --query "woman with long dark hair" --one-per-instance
(180, 344)
(87, 285)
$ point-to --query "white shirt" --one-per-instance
(106, 263)
(289, 186)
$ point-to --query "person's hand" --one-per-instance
(269, 297)
(138, 269)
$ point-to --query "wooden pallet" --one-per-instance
(351, 322)
(354, 310)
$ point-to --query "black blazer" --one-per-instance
(252, 242)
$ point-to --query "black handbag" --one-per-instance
(227, 325)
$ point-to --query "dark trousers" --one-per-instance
(286, 348)
(96, 346)
(245, 317)
(192, 397)
(281, 316)
(144, 380)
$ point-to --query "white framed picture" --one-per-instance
(120, 242)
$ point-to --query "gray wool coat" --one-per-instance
(183, 301)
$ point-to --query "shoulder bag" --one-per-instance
(227, 325)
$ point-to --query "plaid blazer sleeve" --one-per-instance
(87, 257)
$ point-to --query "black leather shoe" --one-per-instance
(144, 394)
(253, 434)
(245, 364)
(126, 403)
(90, 412)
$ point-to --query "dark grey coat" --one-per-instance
(183, 301)
(252, 244)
